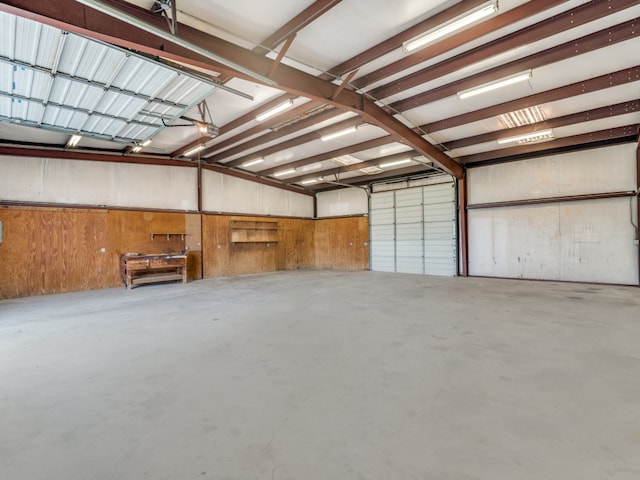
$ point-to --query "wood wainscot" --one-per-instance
(138, 269)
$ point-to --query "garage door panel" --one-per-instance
(385, 216)
(411, 214)
(410, 265)
(409, 231)
(414, 230)
(382, 200)
(409, 197)
(382, 232)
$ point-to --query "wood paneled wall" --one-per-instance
(342, 243)
(293, 249)
(55, 250)
(48, 250)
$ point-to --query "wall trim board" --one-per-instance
(538, 201)
(261, 215)
(71, 206)
(91, 156)
(355, 215)
(545, 280)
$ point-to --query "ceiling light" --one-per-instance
(275, 110)
(519, 118)
(284, 172)
(393, 164)
(454, 25)
(347, 160)
(528, 137)
(503, 82)
(146, 143)
(194, 150)
(370, 170)
(339, 133)
(310, 181)
(250, 163)
(73, 140)
(136, 149)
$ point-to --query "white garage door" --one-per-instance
(414, 230)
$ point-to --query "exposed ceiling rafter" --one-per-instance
(96, 24)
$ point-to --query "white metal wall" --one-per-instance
(413, 230)
(50, 180)
(589, 240)
(224, 193)
(346, 201)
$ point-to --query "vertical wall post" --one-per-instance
(201, 216)
(462, 215)
(638, 202)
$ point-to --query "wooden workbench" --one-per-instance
(142, 269)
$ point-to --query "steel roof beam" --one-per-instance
(594, 84)
(581, 117)
(516, 153)
(603, 38)
(272, 136)
(358, 147)
(67, 14)
(492, 24)
(562, 22)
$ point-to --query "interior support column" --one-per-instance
(462, 215)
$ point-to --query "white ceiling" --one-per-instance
(137, 84)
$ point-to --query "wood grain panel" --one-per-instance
(292, 249)
(342, 243)
(49, 250)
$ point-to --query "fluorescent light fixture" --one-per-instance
(146, 143)
(310, 181)
(519, 118)
(339, 133)
(393, 164)
(168, 36)
(454, 25)
(188, 153)
(371, 170)
(488, 87)
(73, 140)
(251, 163)
(136, 149)
(282, 173)
(275, 110)
(528, 137)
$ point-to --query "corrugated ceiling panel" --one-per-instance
(22, 81)
(90, 98)
(59, 90)
(91, 60)
(5, 107)
(26, 44)
(126, 107)
(160, 81)
(49, 40)
(6, 77)
(166, 111)
(19, 109)
(109, 66)
(74, 47)
(35, 111)
(40, 84)
(146, 71)
(128, 73)
(7, 24)
(110, 102)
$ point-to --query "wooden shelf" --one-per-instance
(168, 235)
(246, 231)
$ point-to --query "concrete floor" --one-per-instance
(323, 375)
